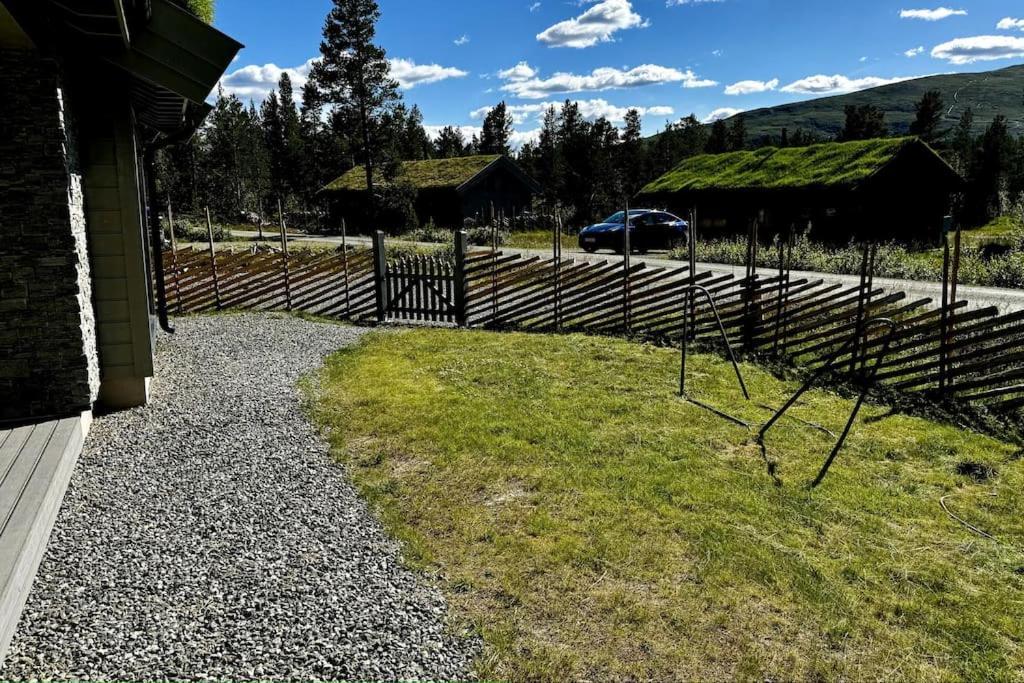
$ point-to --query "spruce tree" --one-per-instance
(353, 74)
(865, 122)
(450, 143)
(929, 113)
(497, 131)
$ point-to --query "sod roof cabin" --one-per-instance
(447, 190)
(898, 188)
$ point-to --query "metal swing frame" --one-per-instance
(866, 380)
(688, 293)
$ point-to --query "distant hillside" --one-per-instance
(988, 94)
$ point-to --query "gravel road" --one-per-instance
(210, 535)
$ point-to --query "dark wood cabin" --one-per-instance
(890, 189)
(448, 191)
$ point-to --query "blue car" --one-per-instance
(648, 229)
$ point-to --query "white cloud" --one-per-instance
(751, 87)
(723, 113)
(915, 51)
(717, 53)
(254, 82)
(676, 3)
(409, 74)
(461, 40)
(596, 25)
(589, 109)
(979, 49)
(862, 60)
(937, 14)
(837, 84)
(520, 72)
(1009, 23)
(534, 7)
(604, 78)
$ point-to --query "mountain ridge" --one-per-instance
(987, 93)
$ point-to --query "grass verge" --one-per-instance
(591, 525)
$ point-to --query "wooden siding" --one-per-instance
(117, 243)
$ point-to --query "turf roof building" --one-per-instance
(89, 90)
(896, 188)
(447, 190)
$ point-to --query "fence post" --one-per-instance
(344, 259)
(380, 276)
(461, 245)
(213, 258)
(284, 258)
(174, 259)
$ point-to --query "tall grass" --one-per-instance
(977, 267)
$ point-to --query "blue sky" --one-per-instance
(455, 58)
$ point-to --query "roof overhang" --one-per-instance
(173, 59)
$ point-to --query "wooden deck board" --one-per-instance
(35, 467)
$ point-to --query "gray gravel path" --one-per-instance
(210, 535)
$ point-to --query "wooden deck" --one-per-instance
(36, 462)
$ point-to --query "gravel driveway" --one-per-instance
(210, 535)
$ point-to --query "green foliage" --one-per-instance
(824, 165)
(978, 265)
(593, 526)
(427, 174)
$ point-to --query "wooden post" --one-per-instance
(284, 258)
(955, 276)
(944, 337)
(691, 301)
(380, 273)
(626, 249)
(174, 259)
(213, 258)
(344, 261)
(557, 291)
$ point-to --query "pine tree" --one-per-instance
(415, 143)
(865, 122)
(929, 113)
(273, 142)
(547, 164)
(630, 153)
(718, 142)
(737, 134)
(450, 143)
(353, 74)
(497, 131)
(963, 141)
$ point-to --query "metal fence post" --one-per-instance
(461, 245)
(380, 276)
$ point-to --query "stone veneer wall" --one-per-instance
(48, 359)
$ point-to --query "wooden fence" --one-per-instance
(947, 353)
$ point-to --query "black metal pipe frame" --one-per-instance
(867, 380)
(156, 235)
(688, 293)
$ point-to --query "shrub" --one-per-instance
(893, 260)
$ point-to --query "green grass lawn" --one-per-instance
(1003, 230)
(592, 525)
(538, 239)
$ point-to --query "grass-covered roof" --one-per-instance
(423, 175)
(830, 165)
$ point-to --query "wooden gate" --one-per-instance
(421, 288)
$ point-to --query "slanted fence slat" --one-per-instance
(976, 358)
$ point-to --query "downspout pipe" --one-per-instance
(156, 237)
